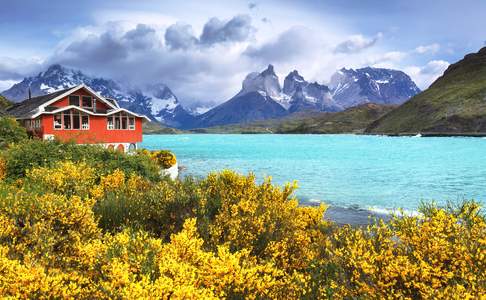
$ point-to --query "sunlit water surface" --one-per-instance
(369, 172)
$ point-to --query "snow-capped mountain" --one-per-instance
(307, 96)
(266, 84)
(382, 86)
(156, 101)
(260, 98)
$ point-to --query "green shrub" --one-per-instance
(11, 132)
(24, 156)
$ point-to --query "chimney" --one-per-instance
(30, 94)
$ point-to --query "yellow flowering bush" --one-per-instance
(65, 178)
(439, 255)
(70, 231)
(264, 219)
(164, 158)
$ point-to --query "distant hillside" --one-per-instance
(352, 120)
(454, 104)
(157, 128)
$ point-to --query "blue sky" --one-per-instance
(203, 49)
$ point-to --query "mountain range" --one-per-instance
(261, 96)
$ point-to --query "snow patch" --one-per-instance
(46, 88)
(382, 81)
(168, 105)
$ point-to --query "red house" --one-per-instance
(81, 115)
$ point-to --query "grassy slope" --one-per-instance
(353, 120)
(454, 103)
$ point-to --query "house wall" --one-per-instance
(97, 133)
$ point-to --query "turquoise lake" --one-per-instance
(369, 172)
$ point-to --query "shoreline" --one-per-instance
(350, 216)
(407, 134)
(353, 216)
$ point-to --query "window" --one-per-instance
(87, 102)
(121, 121)
(110, 123)
(132, 148)
(57, 121)
(131, 123)
(75, 116)
(67, 120)
(74, 100)
(85, 122)
(71, 119)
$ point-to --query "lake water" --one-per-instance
(347, 171)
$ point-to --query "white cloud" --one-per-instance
(296, 43)
(17, 68)
(143, 54)
(357, 43)
(428, 73)
(432, 48)
(206, 60)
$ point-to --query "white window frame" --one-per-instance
(110, 125)
(84, 126)
(120, 116)
(54, 121)
(131, 126)
(63, 114)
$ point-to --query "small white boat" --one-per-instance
(418, 135)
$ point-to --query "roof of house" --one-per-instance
(28, 108)
(33, 107)
(113, 101)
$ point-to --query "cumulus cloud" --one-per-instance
(142, 54)
(357, 43)
(386, 59)
(15, 68)
(180, 36)
(292, 44)
(215, 31)
(428, 73)
(432, 48)
(237, 29)
(142, 37)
